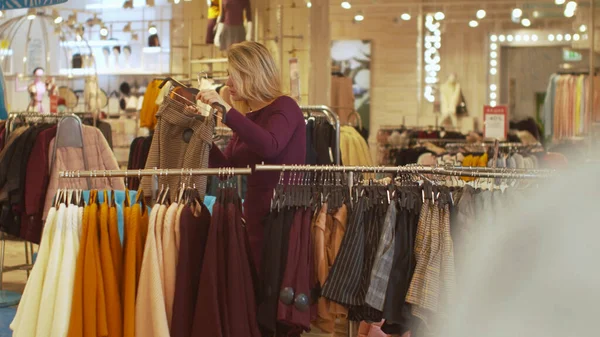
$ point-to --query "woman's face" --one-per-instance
(232, 89)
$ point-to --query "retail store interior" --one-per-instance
(155, 181)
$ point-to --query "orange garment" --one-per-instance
(149, 106)
(76, 320)
(129, 268)
(328, 232)
(111, 286)
(116, 250)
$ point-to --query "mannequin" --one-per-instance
(91, 93)
(214, 9)
(117, 54)
(127, 56)
(37, 90)
(230, 27)
(450, 98)
(106, 53)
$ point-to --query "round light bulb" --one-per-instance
(439, 16)
(493, 87)
(494, 38)
(481, 14)
(473, 23)
(405, 16)
(359, 17)
(517, 12)
(346, 5)
(576, 37)
(309, 4)
(582, 28)
(559, 2)
(526, 22)
(534, 37)
(551, 37)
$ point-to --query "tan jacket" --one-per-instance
(328, 232)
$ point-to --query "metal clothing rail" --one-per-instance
(224, 171)
(334, 120)
(487, 144)
(445, 171)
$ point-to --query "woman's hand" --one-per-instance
(210, 97)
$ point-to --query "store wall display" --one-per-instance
(353, 59)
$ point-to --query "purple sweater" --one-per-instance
(275, 134)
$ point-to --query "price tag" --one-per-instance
(495, 119)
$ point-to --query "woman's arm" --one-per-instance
(270, 140)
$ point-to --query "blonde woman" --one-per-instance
(272, 131)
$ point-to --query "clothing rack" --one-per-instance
(475, 172)
(334, 120)
(224, 171)
(489, 143)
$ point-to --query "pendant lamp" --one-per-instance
(16, 4)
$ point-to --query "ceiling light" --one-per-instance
(346, 5)
(526, 22)
(103, 31)
(509, 38)
(493, 71)
(473, 23)
(551, 37)
(405, 16)
(568, 13)
(493, 46)
(494, 38)
(559, 37)
(439, 16)
(176, 1)
(481, 14)
(518, 38)
(517, 12)
(576, 37)
(493, 63)
(559, 2)
(535, 14)
(567, 37)
(493, 54)
(525, 37)
(152, 29)
(582, 28)
(534, 37)
(571, 5)
(31, 14)
(502, 38)
(309, 4)
(359, 17)
(493, 87)
(493, 95)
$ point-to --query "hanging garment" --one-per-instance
(295, 298)
(383, 261)
(99, 157)
(29, 307)
(434, 282)
(136, 222)
(66, 282)
(226, 304)
(275, 252)
(188, 145)
(169, 250)
(150, 312)
(36, 186)
(194, 226)
(51, 281)
(109, 272)
(328, 231)
(149, 107)
(396, 311)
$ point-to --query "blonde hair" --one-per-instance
(254, 72)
